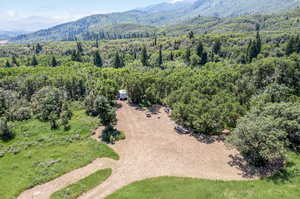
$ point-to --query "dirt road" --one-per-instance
(152, 148)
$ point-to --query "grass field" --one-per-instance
(75, 190)
(284, 185)
(37, 154)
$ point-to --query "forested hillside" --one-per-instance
(174, 18)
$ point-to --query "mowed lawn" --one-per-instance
(37, 154)
(73, 191)
(285, 185)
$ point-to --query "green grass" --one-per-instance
(284, 185)
(37, 154)
(82, 186)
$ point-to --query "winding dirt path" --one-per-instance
(152, 148)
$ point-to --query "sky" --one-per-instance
(48, 12)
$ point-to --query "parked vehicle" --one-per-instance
(122, 95)
(181, 130)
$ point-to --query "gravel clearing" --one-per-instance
(152, 148)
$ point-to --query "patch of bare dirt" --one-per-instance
(152, 148)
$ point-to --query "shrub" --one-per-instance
(5, 132)
(47, 102)
(23, 113)
(111, 135)
(266, 131)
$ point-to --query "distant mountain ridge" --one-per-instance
(164, 14)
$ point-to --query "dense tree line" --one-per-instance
(206, 90)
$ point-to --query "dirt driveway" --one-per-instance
(152, 148)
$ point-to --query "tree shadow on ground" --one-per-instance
(208, 139)
(275, 173)
(154, 109)
(8, 138)
(119, 106)
(285, 175)
(136, 107)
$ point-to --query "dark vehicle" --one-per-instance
(181, 130)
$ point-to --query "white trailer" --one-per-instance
(123, 95)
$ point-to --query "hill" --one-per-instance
(172, 15)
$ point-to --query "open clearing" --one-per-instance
(152, 148)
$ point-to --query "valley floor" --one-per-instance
(152, 149)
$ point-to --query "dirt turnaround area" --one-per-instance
(152, 148)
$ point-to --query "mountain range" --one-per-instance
(164, 16)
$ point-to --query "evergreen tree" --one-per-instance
(254, 48)
(297, 44)
(204, 58)
(144, 56)
(97, 59)
(79, 48)
(14, 61)
(160, 56)
(155, 41)
(217, 47)
(199, 49)
(34, 61)
(293, 45)
(171, 56)
(7, 64)
(251, 51)
(53, 62)
(258, 43)
(76, 56)
(191, 35)
(187, 56)
(97, 43)
(38, 48)
(118, 61)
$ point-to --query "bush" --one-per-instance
(47, 102)
(111, 135)
(21, 114)
(266, 131)
(5, 132)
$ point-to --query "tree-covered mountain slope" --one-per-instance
(177, 17)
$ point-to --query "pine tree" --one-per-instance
(204, 58)
(79, 48)
(217, 47)
(38, 48)
(252, 51)
(14, 61)
(290, 46)
(191, 35)
(97, 43)
(144, 56)
(97, 59)
(199, 49)
(160, 57)
(53, 62)
(297, 44)
(34, 61)
(187, 56)
(7, 64)
(258, 43)
(171, 56)
(76, 56)
(118, 61)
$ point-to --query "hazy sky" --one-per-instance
(31, 15)
(66, 9)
